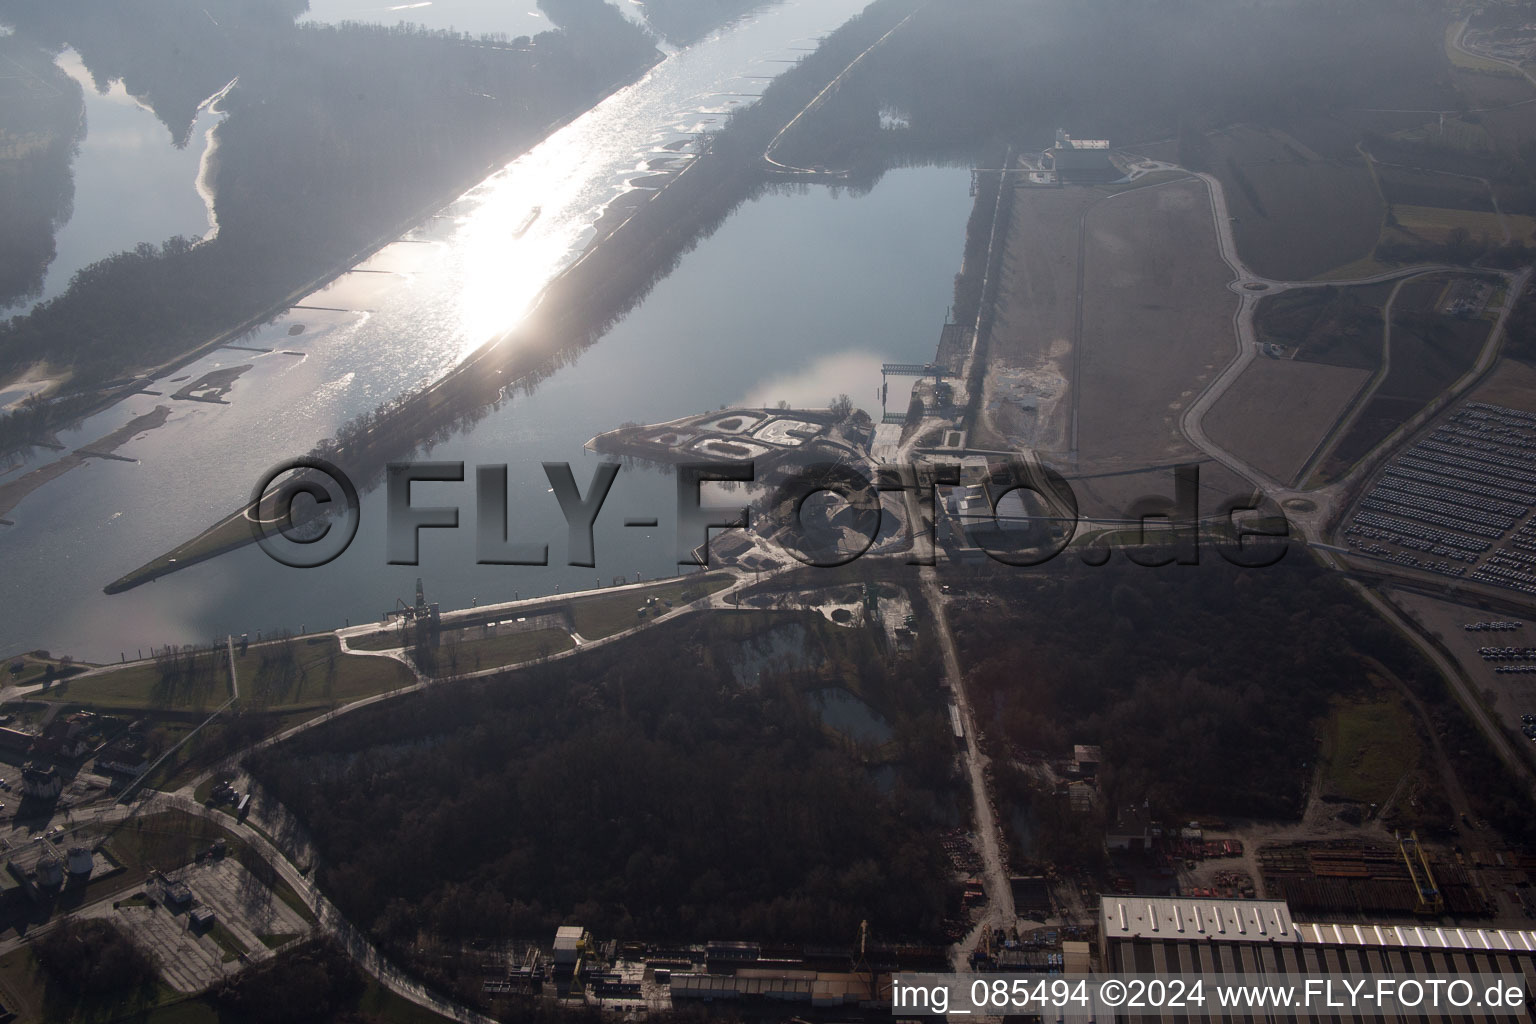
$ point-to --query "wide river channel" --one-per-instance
(799, 296)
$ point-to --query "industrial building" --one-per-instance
(42, 782)
(1141, 934)
(1081, 160)
(571, 943)
(818, 988)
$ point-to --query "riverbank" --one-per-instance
(12, 493)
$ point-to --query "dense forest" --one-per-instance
(1124, 657)
(313, 982)
(41, 120)
(705, 800)
(91, 966)
(970, 75)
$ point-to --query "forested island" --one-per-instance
(336, 138)
(40, 125)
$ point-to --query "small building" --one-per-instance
(176, 895)
(1087, 759)
(201, 919)
(1076, 958)
(1132, 830)
(571, 942)
(77, 734)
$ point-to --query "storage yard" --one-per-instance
(1351, 878)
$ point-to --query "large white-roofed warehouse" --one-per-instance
(1141, 934)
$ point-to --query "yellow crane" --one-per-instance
(1431, 900)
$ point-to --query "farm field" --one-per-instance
(1337, 326)
(1368, 747)
(1157, 324)
(1468, 61)
(1277, 413)
(1490, 85)
(1294, 218)
(1510, 127)
(1511, 384)
(1429, 352)
(1417, 186)
(1436, 224)
(1114, 495)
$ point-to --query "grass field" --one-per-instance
(1295, 218)
(1437, 223)
(1413, 186)
(506, 650)
(1430, 352)
(1368, 746)
(1277, 413)
(143, 686)
(35, 669)
(1157, 324)
(22, 979)
(386, 639)
(301, 672)
(1468, 61)
(603, 615)
(1334, 326)
(281, 675)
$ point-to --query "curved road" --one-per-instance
(1251, 288)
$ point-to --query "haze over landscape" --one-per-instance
(730, 509)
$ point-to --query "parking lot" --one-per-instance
(1458, 502)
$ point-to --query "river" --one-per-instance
(799, 296)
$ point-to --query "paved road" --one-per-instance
(1463, 687)
(1251, 288)
(1000, 911)
(815, 103)
(1333, 497)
